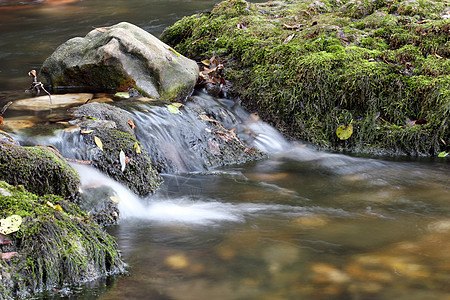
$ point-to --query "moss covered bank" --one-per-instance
(310, 66)
(56, 247)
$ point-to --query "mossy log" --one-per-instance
(55, 247)
(310, 66)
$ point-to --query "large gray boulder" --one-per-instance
(109, 57)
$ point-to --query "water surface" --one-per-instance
(300, 225)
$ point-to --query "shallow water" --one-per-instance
(300, 225)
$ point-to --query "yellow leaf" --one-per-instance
(98, 142)
(173, 109)
(10, 224)
(137, 147)
(176, 104)
(58, 207)
(206, 62)
(175, 52)
(87, 131)
(114, 199)
(344, 132)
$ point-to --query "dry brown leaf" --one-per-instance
(8, 255)
(131, 123)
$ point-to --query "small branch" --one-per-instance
(36, 86)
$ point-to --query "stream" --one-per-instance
(301, 224)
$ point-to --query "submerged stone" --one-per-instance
(57, 101)
(121, 55)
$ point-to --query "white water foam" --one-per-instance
(184, 210)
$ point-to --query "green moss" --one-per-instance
(139, 175)
(358, 59)
(55, 248)
(39, 169)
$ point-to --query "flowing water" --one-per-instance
(301, 224)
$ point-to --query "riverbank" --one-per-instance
(309, 67)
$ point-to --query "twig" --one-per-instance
(36, 85)
(5, 108)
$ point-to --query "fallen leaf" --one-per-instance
(131, 123)
(10, 224)
(206, 62)
(55, 207)
(292, 27)
(87, 131)
(177, 104)
(98, 142)
(173, 109)
(344, 132)
(1, 120)
(137, 148)
(289, 38)
(175, 52)
(8, 255)
(439, 57)
(114, 199)
(128, 160)
(58, 207)
(122, 160)
(443, 154)
(124, 95)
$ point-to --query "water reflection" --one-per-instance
(30, 33)
(379, 232)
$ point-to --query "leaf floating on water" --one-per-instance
(87, 131)
(114, 199)
(137, 147)
(443, 154)
(173, 109)
(344, 132)
(131, 123)
(123, 95)
(122, 160)
(8, 255)
(98, 142)
(10, 224)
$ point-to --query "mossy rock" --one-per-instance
(39, 169)
(55, 248)
(310, 67)
(139, 174)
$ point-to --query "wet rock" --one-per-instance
(58, 101)
(325, 273)
(55, 248)
(100, 204)
(109, 57)
(101, 111)
(109, 124)
(40, 169)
